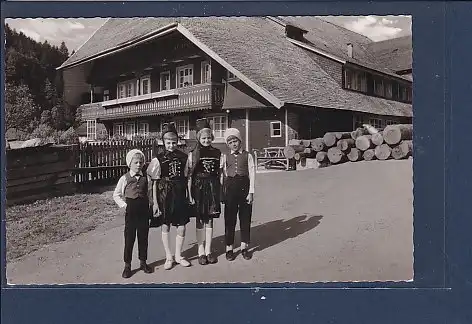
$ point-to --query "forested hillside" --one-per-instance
(34, 89)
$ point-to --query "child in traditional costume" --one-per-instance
(204, 189)
(239, 176)
(167, 170)
(132, 193)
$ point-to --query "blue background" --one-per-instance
(441, 291)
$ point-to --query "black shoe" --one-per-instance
(145, 267)
(230, 255)
(212, 259)
(126, 272)
(202, 259)
(246, 254)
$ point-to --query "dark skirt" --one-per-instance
(206, 193)
(173, 202)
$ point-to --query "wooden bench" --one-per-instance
(270, 157)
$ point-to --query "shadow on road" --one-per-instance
(264, 235)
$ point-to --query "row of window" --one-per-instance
(375, 122)
(367, 83)
(219, 124)
(142, 86)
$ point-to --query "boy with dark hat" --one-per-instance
(239, 177)
(168, 172)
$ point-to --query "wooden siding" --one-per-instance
(75, 83)
(259, 129)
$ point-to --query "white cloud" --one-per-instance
(34, 35)
(386, 21)
(376, 28)
(73, 31)
(75, 25)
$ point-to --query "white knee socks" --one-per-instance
(209, 237)
(200, 241)
(179, 242)
(165, 242)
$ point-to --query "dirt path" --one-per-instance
(351, 222)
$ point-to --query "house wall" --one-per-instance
(259, 127)
(75, 83)
(148, 59)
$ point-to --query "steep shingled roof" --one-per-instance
(256, 47)
(395, 54)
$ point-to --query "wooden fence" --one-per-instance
(102, 161)
(39, 172)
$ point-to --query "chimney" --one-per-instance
(349, 50)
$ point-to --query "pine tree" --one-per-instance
(63, 50)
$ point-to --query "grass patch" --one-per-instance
(30, 227)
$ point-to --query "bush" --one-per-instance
(68, 137)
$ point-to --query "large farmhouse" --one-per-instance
(273, 78)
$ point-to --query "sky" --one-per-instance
(75, 31)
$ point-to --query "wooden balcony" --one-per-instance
(197, 97)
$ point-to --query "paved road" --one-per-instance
(351, 222)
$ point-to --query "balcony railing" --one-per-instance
(195, 97)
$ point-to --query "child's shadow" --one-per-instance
(264, 235)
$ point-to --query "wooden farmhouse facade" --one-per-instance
(273, 78)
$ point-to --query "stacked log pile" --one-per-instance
(366, 143)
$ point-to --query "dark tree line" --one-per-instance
(34, 88)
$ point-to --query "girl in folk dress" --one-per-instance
(204, 189)
(170, 202)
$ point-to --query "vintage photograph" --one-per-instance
(209, 150)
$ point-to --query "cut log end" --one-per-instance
(354, 154)
(377, 139)
(394, 134)
(329, 139)
(364, 142)
(345, 144)
(336, 156)
(322, 157)
(317, 144)
(403, 150)
(383, 152)
(369, 155)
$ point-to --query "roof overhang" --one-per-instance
(124, 46)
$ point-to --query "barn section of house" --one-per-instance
(265, 76)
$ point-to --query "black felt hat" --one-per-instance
(202, 123)
(169, 128)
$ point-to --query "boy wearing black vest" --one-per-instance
(239, 176)
(132, 193)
